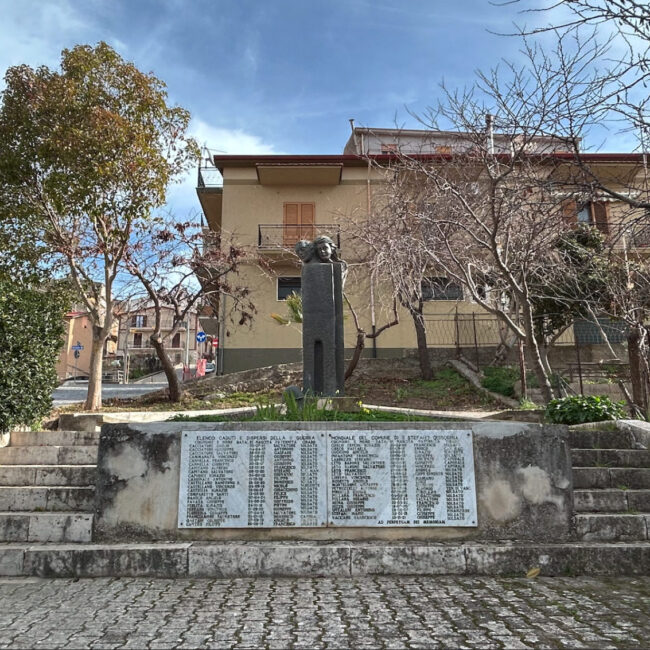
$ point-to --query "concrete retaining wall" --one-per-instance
(523, 480)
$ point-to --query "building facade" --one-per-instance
(267, 203)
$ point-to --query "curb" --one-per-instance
(308, 560)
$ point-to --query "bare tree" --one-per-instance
(390, 246)
(180, 267)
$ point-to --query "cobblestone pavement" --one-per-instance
(403, 612)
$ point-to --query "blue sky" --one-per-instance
(277, 76)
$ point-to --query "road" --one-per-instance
(382, 612)
(75, 391)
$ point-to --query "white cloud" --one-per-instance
(229, 141)
(35, 32)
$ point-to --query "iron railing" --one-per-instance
(277, 236)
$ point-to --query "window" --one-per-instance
(440, 288)
(139, 320)
(298, 223)
(592, 213)
(176, 341)
(288, 285)
(137, 340)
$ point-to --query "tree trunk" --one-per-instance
(423, 351)
(358, 349)
(635, 354)
(534, 355)
(174, 386)
(94, 396)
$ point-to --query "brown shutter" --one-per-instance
(599, 215)
(307, 221)
(570, 212)
(291, 224)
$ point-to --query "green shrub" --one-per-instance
(500, 380)
(31, 331)
(584, 408)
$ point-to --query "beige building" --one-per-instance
(135, 326)
(74, 358)
(268, 203)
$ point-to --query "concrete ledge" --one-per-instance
(94, 561)
(277, 560)
(250, 559)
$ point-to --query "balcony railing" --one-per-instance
(208, 177)
(274, 236)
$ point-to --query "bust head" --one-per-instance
(304, 250)
(325, 249)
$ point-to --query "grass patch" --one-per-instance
(500, 380)
(444, 391)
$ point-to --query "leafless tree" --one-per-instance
(389, 244)
(183, 268)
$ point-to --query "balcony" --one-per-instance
(274, 237)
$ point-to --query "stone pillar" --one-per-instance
(322, 329)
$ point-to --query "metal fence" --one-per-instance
(581, 356)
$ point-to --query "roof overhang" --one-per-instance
(299, 173)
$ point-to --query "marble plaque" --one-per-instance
(258, 479)
(401, 478)
(268, 479)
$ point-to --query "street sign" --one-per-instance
(77, 347)
(200, 337)
(215, 342)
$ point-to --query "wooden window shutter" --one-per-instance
(570, 212)
(599, 214)
(298, 222)
(307, 221)
(291, 224)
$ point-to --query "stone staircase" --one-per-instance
(47, 486)
(47, 489)
(611, 480)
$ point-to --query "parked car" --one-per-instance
(210, 367)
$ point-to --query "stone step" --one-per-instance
(54, 475)
(55, 455)
(45, 527)
(311, 559)
(43, 498)
(612, 527)
(596, 439)
(611, 500)
(610, 457)
(52, 438)
(611, 477)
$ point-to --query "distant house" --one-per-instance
(136, 324)
(74, 358)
